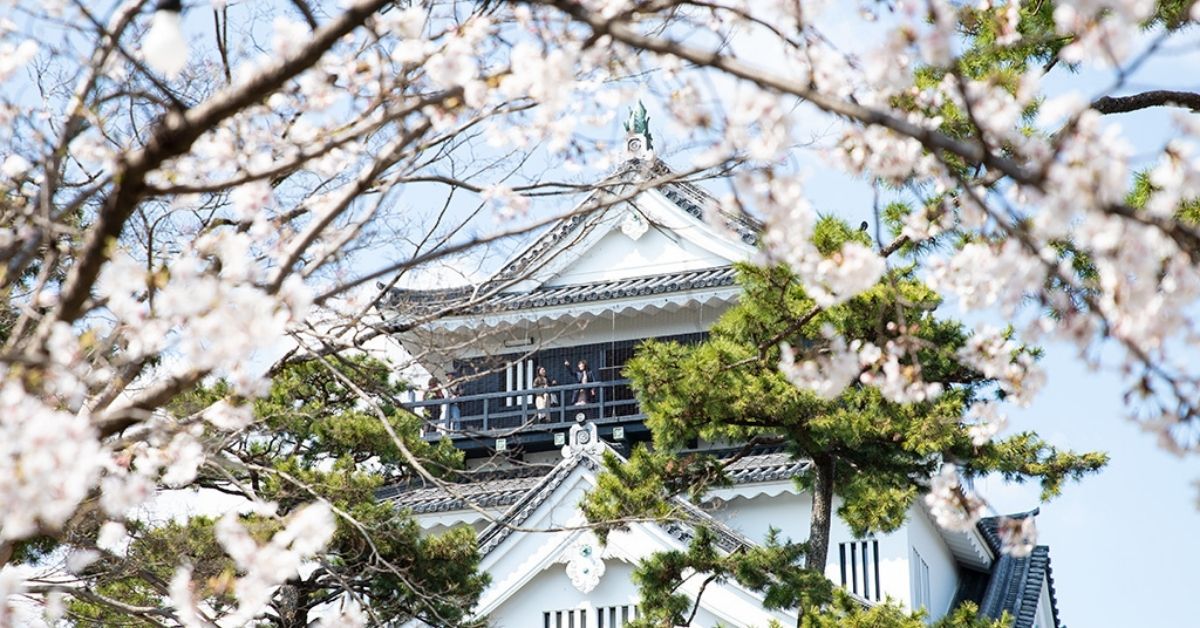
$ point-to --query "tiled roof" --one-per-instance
(504, 488)
(459, 301)
(488, 490)
(765, 467)
(693, 199)
(494, 534)
(682, 529)
(1015, 583)
(494, 294)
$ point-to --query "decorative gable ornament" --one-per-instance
(583, 439)
(585, 567)
(634, 224)
(638, 142)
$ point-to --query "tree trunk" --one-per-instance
(822, 509)
(819, 521)
(291, 604)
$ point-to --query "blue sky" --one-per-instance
(1123, 542)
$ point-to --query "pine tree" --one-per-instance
(312, 440)
(874, 454)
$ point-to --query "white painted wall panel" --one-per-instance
(943, 570)
(616, 256)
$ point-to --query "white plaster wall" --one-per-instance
(943, 570)
(551, 590)
(617, 256)
(790, 513)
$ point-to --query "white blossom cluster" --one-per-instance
(998, 357)
(49, 459)
(263, 567)
(952, 505)
(266, 202)
(987, 422)
(826, 376)
(828, 280)
(1018, 536)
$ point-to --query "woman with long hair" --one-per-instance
(542, 400)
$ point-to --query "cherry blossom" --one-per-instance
(953, 506)
(267, 566)
(826, 377)
(112, 537)
(48, 461)
(186, 234)
(165, 47)
(1018, 536)
(988, 421)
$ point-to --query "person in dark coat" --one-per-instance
(583, 375)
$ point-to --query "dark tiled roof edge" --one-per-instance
(494, 534)
(684, 194)
(1015, 583)
(461, 301)
(759, 468)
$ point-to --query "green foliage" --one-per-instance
(846, 612)
(151, 561)
(772, 569)
(1143, 190)
(315, 439)
(632, 489)
(729, 389)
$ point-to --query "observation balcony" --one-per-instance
(511, 421)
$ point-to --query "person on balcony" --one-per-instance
(544, 399)
(434, 415)
(583, 375)
(453, 391)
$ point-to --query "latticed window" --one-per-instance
(615, 616)
(606, 617)
(571, 618)
(860, 568)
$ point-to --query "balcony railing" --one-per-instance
(506, 412)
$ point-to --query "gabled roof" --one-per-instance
(682, 529)
(1015, 583)
(460, 301)
(506, 487)
(519, 513)
(514, 288)
(687, 196)
(515, 559)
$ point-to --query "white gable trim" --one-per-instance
(751, 491)
(658, 211)
(662, 211)
(968, 547)
(728, 601)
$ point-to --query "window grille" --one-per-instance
(615, 616)
(860, 568)
(571, 618)
(920, 581)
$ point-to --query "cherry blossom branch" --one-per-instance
(971, 152)
(174, 136)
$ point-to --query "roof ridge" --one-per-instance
(500, 528)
